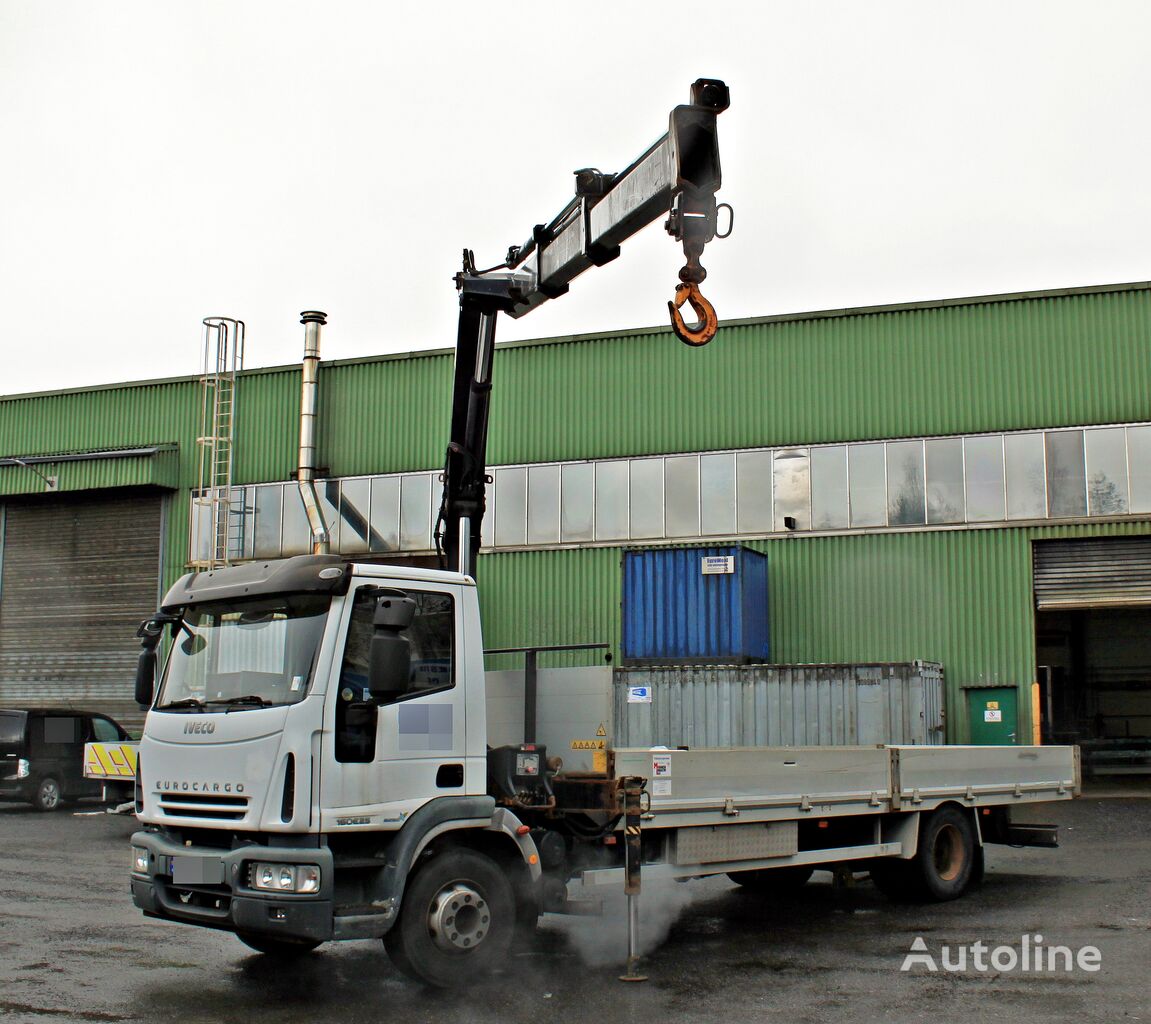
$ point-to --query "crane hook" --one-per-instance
(703, 331)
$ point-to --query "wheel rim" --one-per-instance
(49, 794)
(948, 853)
(458, 918)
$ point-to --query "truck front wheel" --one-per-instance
(457, 919)
(943, 865)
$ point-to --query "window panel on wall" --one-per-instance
(1106, 455)
(1139, 463)
(645, 512)
(944, 458)
(983, 471)
(385, 514)
(415, 512)
(200, 531)
(1026, 476)
(543, 504)
(354, 510)
(829, 504)
(328, 493)
(577, 502)
(1066, 474)
(511, 494)
(681, 496)
(243, 522)
(297, 534)
(867, 484)
(268, 503)
(906, 494)
(611, 495)
(791, 478)
(717, 494)
(753, 492)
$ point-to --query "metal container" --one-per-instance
(695, 604)
(778, 705)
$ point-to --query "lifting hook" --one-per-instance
(703, 331)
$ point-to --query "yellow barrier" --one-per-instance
(109, 760)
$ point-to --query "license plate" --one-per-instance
(197, 871)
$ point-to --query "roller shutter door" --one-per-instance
(78, 574)
(1111, 573)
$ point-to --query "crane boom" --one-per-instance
(677, 176)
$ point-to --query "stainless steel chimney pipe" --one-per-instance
(312, 320)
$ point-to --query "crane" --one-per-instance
(676, 176)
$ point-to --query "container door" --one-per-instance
(994, 716)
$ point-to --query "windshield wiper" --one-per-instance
(187, 702)
(249, 699)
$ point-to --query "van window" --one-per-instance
(12, 728)
(105, 731)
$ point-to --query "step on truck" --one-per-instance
(316, 765)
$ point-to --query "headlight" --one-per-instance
(139, 860)
(284, 877)
(22, 768)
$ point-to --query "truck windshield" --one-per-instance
(245, 654)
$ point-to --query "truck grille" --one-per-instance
(196, 805)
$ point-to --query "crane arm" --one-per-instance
(676, 177)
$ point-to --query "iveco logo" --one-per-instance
(199, 727)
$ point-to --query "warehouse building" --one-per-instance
(965, 482)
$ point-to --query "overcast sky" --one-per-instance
(167, 161)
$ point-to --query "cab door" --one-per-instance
(381, 763)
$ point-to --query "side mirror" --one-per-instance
(146, 676)
(394, 611)
(390, 657)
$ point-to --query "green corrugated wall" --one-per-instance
(962, 597)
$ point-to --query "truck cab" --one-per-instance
(311, 735)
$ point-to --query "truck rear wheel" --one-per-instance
(457, 919)
(773, 880)
(943, 865)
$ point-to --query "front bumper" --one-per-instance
(213, 889)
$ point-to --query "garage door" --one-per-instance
(77, 574)
(1110, 573)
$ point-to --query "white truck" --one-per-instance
(316, 765)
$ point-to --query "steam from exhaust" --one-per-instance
(602, 940)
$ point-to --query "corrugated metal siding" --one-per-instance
(780, 705)
(389, 416)
(995, 365)
(962, 598)
(79, 574)
(125, 416)
(159, 470)
(267, 425)
(1105, 573)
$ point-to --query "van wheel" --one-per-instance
(456, 920)
(48, 795)
(276, 947)
(943, 865)
(773, 880)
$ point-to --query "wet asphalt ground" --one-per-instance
(73, 948)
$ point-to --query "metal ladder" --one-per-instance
(217, 526)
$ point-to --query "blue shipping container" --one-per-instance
(693, 605)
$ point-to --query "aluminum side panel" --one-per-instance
(987, 771)
(794, 777)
